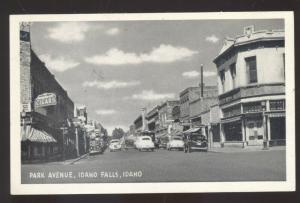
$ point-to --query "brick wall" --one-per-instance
(36, 79)
(25, 79)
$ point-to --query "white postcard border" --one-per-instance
(187, 187)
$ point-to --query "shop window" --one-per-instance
(233, 74)
(251, 69)
(252, 107)
(277, 105)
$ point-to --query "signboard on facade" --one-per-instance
(46, 99)
(26, 107)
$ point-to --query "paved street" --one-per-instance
(162, 166)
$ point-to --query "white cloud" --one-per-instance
(110, 84)
(209, 73)
(59, 64)
(104, 112)
(191, 74)
(68, 32)
(161, 54)
(113, 31)
(212, 39)
(150, 95)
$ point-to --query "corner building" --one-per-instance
(251, 88)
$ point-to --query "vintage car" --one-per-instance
(163, 141)
(144, 143)
(114, 145)
(175, 142)
(195, 140)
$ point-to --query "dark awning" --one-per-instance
(34, 135)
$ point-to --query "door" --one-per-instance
(254, 131)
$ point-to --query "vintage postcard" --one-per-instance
(152, 103)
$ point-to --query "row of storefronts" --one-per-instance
(246, 108)
(52, 127)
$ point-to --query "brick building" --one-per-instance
(47, 110)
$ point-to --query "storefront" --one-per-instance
(37, 144)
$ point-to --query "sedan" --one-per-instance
(175, 143)
(114, 145)
(144, 143)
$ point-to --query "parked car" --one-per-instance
(195, 141)
(144, 143)
(114, 145)
(175, 142)
(163, 141)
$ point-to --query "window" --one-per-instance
(283, 57)
(222, 78)
(233, 74)
(252, 70)
(277, 105)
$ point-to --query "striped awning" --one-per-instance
(34, 135)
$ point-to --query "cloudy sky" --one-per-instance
(116, 68)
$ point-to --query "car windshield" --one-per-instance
(145, 138)
(177, 138)
(197, 137)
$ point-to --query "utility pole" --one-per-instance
(201, 73)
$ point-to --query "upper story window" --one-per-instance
(283, 57)
(233, 74)
(251, 69)
(222, 77)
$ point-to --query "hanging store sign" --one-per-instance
(46, 99)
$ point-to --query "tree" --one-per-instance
(118, 133)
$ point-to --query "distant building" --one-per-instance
(165, 117)
(187, 95)
(80, 111)
(153, 119)
(251, 86)
(47, 110)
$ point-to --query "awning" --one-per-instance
(161, 135)
(34, 135)
(233, 119)
(176, 133)
(192, 130)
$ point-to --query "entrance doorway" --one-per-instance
(254, 131)
(277, 126)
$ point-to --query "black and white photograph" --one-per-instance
(150, 103)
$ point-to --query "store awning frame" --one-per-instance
(191, 130)
(232, 119)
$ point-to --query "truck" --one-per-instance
(96, 146)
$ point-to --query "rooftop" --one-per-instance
(250, 36)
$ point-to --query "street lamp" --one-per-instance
(265, 141)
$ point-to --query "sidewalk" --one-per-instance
(67, 162)
(246, 149)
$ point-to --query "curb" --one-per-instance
(243, 150)
(77, 159)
